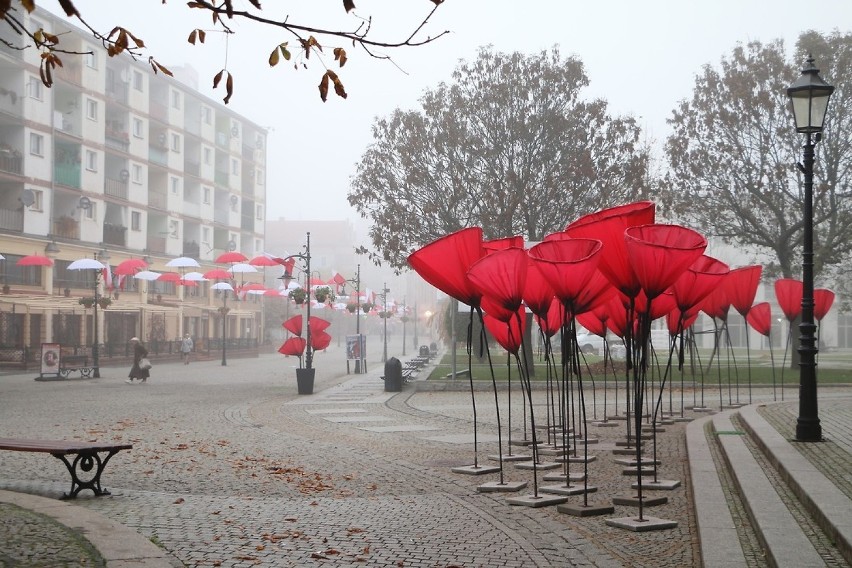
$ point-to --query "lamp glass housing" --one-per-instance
(809, 96)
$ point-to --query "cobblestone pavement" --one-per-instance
(230, 467)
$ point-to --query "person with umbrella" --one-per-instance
(140, 369)
(186, 348)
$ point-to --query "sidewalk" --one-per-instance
(231, 467)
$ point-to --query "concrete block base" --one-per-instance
(536, 501)
(633, 500)
(644, 525)
(660, 485)
(510, 457)
(561, 477)
(569, 489)
(476, 469)
(589, 510)
(541, 466)
(505, 487)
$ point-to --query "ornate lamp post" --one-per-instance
(305, 377)
(809, 97)
(357, 282)
(224, 287)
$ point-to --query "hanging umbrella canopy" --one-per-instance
(34, 260)
(148, 275)
(253, 287)
(169, 277)
(789, 292)
(222, 286)
(232, 256)
(130, 267)
(823, 299)
(194, 277)
(241, 267)
(86, 264)
(262, 261)
(217, 274)
(276, 293)
(183, 262)
(2, 257)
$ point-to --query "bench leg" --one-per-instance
(85, 462)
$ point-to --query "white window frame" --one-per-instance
(205, 235)
(174, 229)
(135, 220)
(175, 99)
(90, 213)
(36, 144)
(207, 114)
(138, 127)
(206, 192)
(260, 177)
(35, 88)
(208, 155)
(91, 161)
(38, 200)
(259, 212)
(138, 80)
(175, 143)
(174, 183)
(235, 167)
(136, 173)
(91, 109)
(91, 59)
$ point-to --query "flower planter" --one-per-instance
(305, 380)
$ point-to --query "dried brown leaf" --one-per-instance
(348, 5)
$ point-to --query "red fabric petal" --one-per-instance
(509, 334)
(317, 325)
(742, 285)
(501, 276)
(659, 254)
(551, 321)
(698, 281)
(320, 340)
(760, 318)
(495, 309)
(444, 263)
(673, 321)
(567, 265)
(823, 299)
(593, 323)
(617, 321)
(538, 293)
(293, 346)
(716, 304)
(608, 227)
(597, 292)
(293, 325)
(789, 293)
(501, 244)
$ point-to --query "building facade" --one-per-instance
(116, 162)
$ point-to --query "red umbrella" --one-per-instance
(262, 261)
(275, 293)
(34, 260)
(217, 274)
(823, 299)
(659, 254)
(509, 334)
(789, 293)
(742, 285)
(760, 318)
(444, 264)
(608, 226)
(293, 346)
(169, 277)
(501, 277)
(293, 325)
(130, 267)
(232, 256)
(252, 286)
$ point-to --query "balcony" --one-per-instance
(116, 188)
(158, 156)
(66, 227)
(222, 216)
(192, 168)
(247, 223)
(158, 200)
(191, 249)
(12, 220)
(71, 73)
(117, 139)
(11, 160)
(115, 235)
(223, 179)
(117, 91)
(159, 111)
(67, 174)
(156, 244)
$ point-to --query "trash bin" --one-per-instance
(393, 375)
(424, 351)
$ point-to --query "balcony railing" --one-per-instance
(223, 179)
(158, 156)
(66, 228)
(117, 140)
(11, 163)
(247, 223)
(117, 91)
(12, 220)
(158, 200)
(156, 244)
(115, 188)
(159, 111)
(192, 168)
(67, 174)
(191, 249)
(115, 235)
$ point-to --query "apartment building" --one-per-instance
(116, 162)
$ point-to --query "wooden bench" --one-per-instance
(70, 363)
(87, 457)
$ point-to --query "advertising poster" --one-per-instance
(50, 358)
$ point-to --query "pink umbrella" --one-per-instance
(217, 274)
(130, 267)
(34, 260)
(170, 277)
(262, 261)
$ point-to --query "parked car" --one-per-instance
(590, 343)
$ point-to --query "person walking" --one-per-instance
(186, 348)
(137, 371)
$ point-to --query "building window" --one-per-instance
(175, 142)
(208, 156)
(138, 128)
(137, 80)
(260, 177)
(92, 60)
(175, 182)
(207, 114)
(235, 166)
(38, 200)
(205, 235)
(36, 144)
(844, 331)
(91, 109)
(136, 173)
(35, 89)
(206, 195)
(90, 212)
(260, 212)
(174, 229)
(135, 221)
(176, 99)
(91, 161)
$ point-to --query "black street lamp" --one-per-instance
(224, 287)
(385, 314)
(416, 316)
(809, 96)
(404, 320)
(305, 376)
(360, 352)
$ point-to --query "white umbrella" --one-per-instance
(147, 275)
(242, 267)
(256, 292)
(86, 264)
(183, 262)
(194, 277)
(222, 286)
(2, 257)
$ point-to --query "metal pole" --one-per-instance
(404, 318)
(224, 325)
(358, 320)
(385, 313)
(808, 428)
(95, 353)
(309, 352)
(416, 342)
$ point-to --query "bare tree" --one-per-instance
(733, 154)
(305, 38)
(508, 146)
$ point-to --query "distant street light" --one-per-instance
(385, 291)
(809, 96)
